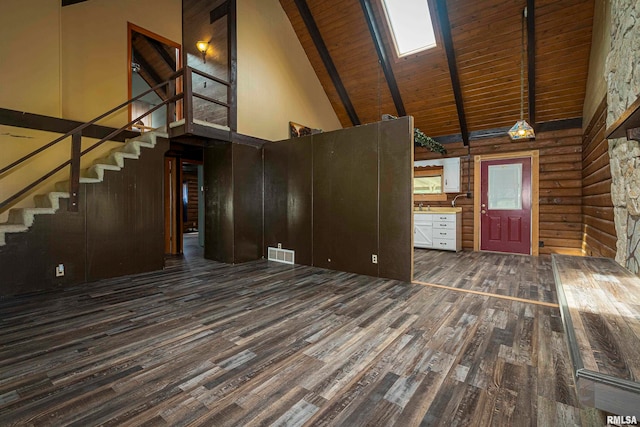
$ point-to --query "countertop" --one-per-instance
(436, 209)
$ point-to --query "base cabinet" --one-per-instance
(438, 231)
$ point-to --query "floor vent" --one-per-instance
(281, 255)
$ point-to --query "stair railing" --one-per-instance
(76, 139)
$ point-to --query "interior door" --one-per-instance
(505, 215)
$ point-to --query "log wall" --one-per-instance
(560, 185)
(599, 232)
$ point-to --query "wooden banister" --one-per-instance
(76, 134)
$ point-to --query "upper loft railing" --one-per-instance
(181, 80)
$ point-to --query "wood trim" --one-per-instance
(314, 32)
(219, 12)
(383, 56)
(25, 120)
(430, 197)
(487, 294)
(71, 2)
(430, 171)
(232, 48)
(447, 39)
(535, 194)
(130, 29)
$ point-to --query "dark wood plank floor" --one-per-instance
(203, 343)
(517, 276)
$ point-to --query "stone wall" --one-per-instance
(623, 81)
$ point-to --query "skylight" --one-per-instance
(410, 22)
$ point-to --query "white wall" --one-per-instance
(276, 82)
(30, 56)
(94, 54)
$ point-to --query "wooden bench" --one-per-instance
(600, 306)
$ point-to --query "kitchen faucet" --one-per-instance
(453, 203)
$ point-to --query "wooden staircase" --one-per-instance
(21, 219)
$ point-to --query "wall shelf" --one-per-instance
(628, 124)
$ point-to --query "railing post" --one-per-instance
(187, 101)
(171, 106)
(74, 181)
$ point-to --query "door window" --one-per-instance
(505, 187)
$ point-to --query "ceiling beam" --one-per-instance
(531, 61)
(219, 12)
(447, 40)
(383, 57)
(159, 47)
(147, 69)
(313, 30)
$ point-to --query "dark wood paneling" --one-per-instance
(247, 203)
(28, 260)
(395, 150)
(197, 26)
(345, 199)
(599, 235)
(218, 199)
(288, 172)
(117, 230)
(125, 218)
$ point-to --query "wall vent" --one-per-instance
(281, 255)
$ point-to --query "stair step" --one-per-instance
(130, 147)
(64, 186)
(20, 219)
(25, 216)
(10, 228)
(51, 199)
(97, 171)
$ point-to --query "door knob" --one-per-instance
(483, 211)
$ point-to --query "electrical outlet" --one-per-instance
(541, 244)
(60, 270)
(279, 245)
(374, 259)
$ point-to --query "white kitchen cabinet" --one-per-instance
(423, 230)
(451, 172)
(451, 176)
(433, 230)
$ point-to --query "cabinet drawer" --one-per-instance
(445, 217)
(423, 219)
(449, 244)
(444, 233)
(444, 225)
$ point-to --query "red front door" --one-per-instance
(505, 205)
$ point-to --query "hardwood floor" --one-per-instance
(518, 276)
(204, 343)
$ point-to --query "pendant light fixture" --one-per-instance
(522, 129)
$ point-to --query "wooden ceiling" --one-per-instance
(485, 40)
(156, 59)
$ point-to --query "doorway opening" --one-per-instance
(184, 200)
(506, 209)
(152, 59)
